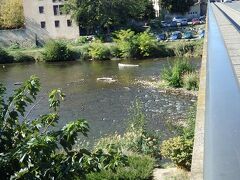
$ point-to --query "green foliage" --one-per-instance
(5, 57)
(11, 14)
(101, 15)
(140, 167)
(125, 40)
(81, 40)
(35, 149)
(183, 49)
(174, 73)
(20, 57)
(57, 51)
(137, 138)
(191, 81)
(179, 149)
(177, 6)
(147, 44)
(98, 51)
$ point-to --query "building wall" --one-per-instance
(156, 7)
(33, 19)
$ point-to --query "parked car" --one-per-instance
(188, 35)
(176, 35)
(161, 37)
(201, 34)
(184, 22)
(227, 1)
(178, 19)
(164, 24)
(195, 21)
(173, 24)
(202, 19)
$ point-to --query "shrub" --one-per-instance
(20, 57)
(173, 74)
(5, 57)
(98, 51)
(57, 51)
(36, 149)
(125, 40)
(179, 150)
(137, 138)
(147, 44)
(81, 40)
(191, 81)
(140, 167)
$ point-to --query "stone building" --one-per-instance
(44, 20)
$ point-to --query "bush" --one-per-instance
(191, 81)
(137, 138)
(147, 44)
(5, 57)
(140, 167)
(57, 51)
(34, 148)
(81, 40)
(173, 74)
(179, 149)
(125, 40)
(20, 57)
(98, 51)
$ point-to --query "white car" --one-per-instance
(227, 1)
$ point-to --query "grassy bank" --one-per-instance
(107, 51)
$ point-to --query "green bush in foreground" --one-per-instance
(98, 51)
(173, 75)
(35, 149)
(5, 57)
(57, 51)
(191, 81)
(179, 149)
(137, 138)
(140, 167)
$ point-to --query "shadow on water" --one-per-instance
(104, 105)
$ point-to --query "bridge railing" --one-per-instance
(216, 153)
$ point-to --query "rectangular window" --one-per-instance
(55, 10)
(41, 9)
(43, 24)
(69, 23)
(57, 24)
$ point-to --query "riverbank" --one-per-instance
(108, 51)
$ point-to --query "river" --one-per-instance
(104, 105)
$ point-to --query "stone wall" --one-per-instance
(20, 36)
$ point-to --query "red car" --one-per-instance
(195, 21)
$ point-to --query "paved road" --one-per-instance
(235, 5)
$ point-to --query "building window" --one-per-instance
(69, 23)
(41, 9)
(43, 24)
(57, 10)
(57, 24)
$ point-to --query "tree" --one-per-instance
(177, 6)
(35, 149)
(11, 14)
(104, 14)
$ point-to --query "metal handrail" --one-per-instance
(222, 116)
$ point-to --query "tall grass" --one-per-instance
(173, 75)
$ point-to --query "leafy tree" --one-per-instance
(11, 14)
(104, 14)
(177, 6)
(33, 149)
